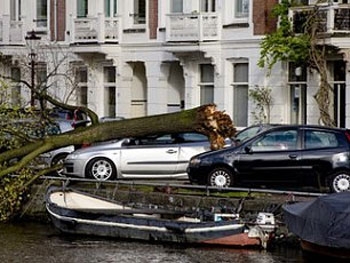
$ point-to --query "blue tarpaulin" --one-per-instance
(324, 221)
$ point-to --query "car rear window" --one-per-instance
(320, 139)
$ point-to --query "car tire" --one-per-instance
(220, 177)
(339, 182)
(101, 169)
(59, 159)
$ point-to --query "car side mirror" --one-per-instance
(126, 142)
(248, 149)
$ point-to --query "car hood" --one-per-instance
(217, 153)
(103, 146)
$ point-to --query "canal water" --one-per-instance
(41, 243)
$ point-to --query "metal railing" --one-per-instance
(330, 19)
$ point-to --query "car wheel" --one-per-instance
(59, 159)
(220, 177)
(340, 182)
(101, 169)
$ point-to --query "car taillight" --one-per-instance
(347, 134)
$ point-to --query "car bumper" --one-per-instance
(72, 168)
(197, 176)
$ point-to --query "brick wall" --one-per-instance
(263, 21)
(153, 18)
(60, 20)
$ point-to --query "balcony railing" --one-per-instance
(95, 29)
(331, 20)
(193, 27)
(11, 32)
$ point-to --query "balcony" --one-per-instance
(333, 20)
(95, 29)
(193, 27)
(11, 32)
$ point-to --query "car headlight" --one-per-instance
(195, 162)
(46, 155)
(72, 156)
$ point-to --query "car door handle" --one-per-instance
(171, 151)
(293, 156)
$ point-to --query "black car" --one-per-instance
(251, 131)
(288, 154)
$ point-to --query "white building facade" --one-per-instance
(134, 58)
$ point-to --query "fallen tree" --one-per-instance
(206, 119)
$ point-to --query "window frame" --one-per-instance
(206, 86)
(297, 89)
(237, 116)
(111, 8)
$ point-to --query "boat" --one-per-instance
(76, 212)
(321, 224)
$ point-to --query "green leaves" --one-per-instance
(284, 45)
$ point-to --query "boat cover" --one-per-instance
(324, 221)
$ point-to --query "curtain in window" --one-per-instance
(207, 5)
(241, 72)
(139, 11)
(207, 73)
(15, 10)
(110, 8)
(240, 94)
(41, 13)
(207, 94)
(177, 6)
(242, 8)
(240, 105)
(82, 8)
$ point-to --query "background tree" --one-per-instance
(304, 48)
(262, 98)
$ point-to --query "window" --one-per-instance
(242, 8)
(110, 91)
(240, 94)
(111, 8)
(16, 88)
(193, 137)
(82, 8)
(338, 97)
(15, 10)
(82, 89)
(206, 84)
(177, 6)
(276, 141)
(41, 13)
(139, 11)
(41, 76)
(297, 90)
(207, 5)
(319, 139)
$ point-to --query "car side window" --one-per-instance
(320, 139)
(157, 140)
(282, 140)
(193, 137)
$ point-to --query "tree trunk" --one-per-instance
(217, 125)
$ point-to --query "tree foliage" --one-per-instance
(284, 45)
(305, 49)
(262, 98)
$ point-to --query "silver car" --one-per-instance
(57, 156)
(159, 156)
